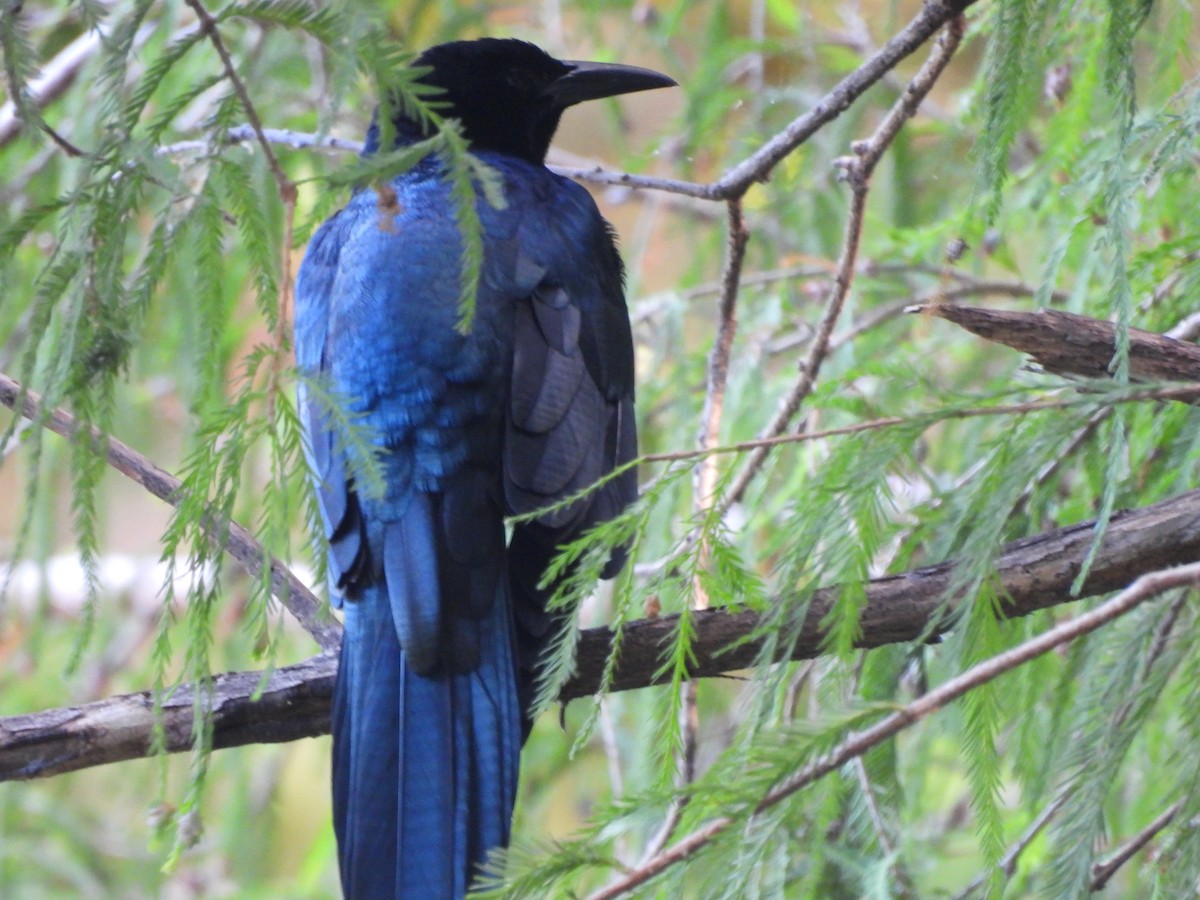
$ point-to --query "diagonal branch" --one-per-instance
(855, 745)
(287, 188)
(736, 181)
(1033, 574)
(240, 544)
(857, 170)
(1102, 872)
(756, 167)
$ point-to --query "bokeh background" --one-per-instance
(1034, 208)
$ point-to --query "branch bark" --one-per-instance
(857, 743)
(1035, 573)
(235, 539)
(1068, 344)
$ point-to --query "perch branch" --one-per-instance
(1033, 573)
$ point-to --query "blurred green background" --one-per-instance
(1030, 168)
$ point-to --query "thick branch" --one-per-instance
(1069, 344)
(293, 703)
(857, 743)
(1035, 573)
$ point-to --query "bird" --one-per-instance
(424, 438)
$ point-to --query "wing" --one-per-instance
(336, 500)
(426, 736)
(564, 431)
(570, 418)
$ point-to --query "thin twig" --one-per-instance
(873, 811)
(296, 140)
(857, 171)
(1182, 393)
(249, 553)
(1104, 870)
(856, 745)
(287, 188)
(1008, 864)
(857, 37)
(705, 479)
(706, 473)
(612, 755)
(1052, 468)
(283, 322)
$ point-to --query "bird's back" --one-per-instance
(444, 625)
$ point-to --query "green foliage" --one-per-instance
(143, 288)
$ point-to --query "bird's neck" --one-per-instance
(406, 132)
(529, 143)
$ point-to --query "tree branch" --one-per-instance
(286, 187)
(231, 536)
(1033, 573)
(856, 744)
(735, 182)
(1008, 864)
(1103, 871)
(247, 708)
(1070, 344)
(857, 171)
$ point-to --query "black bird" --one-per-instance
(444, 623)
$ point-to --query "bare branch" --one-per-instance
(737, 180)
(705, 480)
(1070, 344)
(1104, 870)
(1034, 573)
(1144, 588)
(718, 359)
(857, 172)
(297, 140)
(285, 586)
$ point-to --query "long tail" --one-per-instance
(424, 767)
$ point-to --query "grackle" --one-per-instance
(444, 623)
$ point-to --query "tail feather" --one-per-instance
(425, 766)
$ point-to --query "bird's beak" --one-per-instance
(593, 80)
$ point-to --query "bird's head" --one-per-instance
(510, 94)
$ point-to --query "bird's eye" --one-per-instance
(521, 80)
